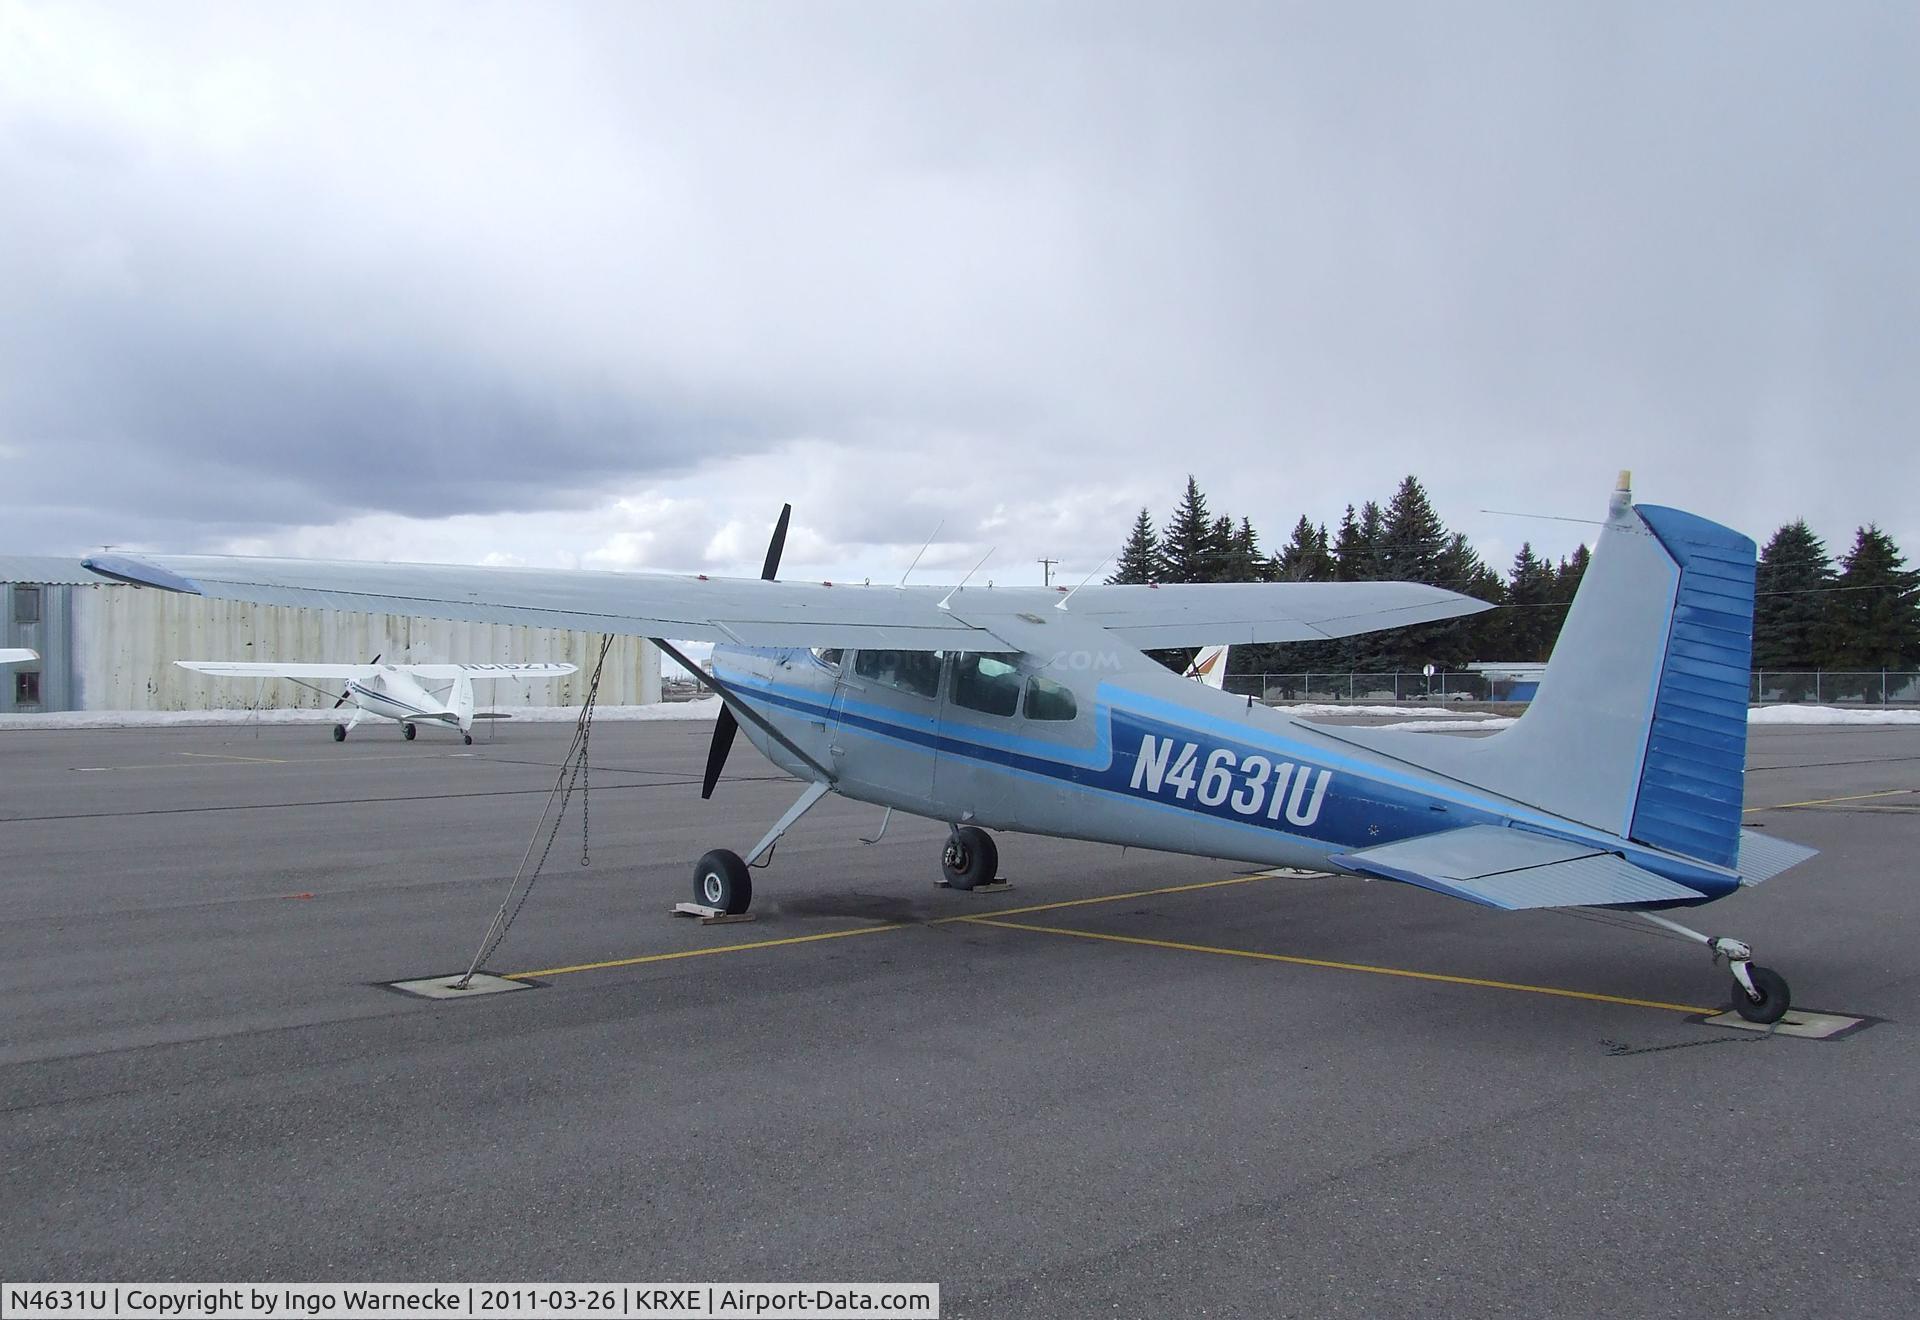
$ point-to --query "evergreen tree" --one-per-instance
(1411, 536)
(1372, 534)
(1530, 595)
(1793, 599)
(1187, 543)
(1876, 611)
(1305, 557)
(1140, 557)
(1349, 551)
(1220, 552)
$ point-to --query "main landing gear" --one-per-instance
(970, 858)
(1760, 994)
(339, 733)
(409, 731)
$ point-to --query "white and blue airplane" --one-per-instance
(412, 695)
(1035, 710)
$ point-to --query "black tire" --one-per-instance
(722, 880)
(970, 858)
(1775, 998)
(409, 731)
(467, 738)
(339, 733)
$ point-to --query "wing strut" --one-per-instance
(736, 704)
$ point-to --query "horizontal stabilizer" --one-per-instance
(1512, 869)
(1762, 856)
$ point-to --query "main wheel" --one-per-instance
(409, 731)
(467, 738)
(722, 880)
(970, 858)
(1774, 999)
(339, 733)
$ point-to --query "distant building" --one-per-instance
(110, 646)
(1511, 680)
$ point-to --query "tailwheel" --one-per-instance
(970, 858)
(339, 733)
(721, 880)
(1761, 995)
(409, 730)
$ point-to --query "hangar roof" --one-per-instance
(52, 570)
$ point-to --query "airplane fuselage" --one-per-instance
(1148, 759)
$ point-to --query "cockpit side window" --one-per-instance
(1048, 700)
(985, 683)
(917, 672)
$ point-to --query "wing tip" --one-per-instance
(140, 573)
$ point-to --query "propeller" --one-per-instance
(726, 726)
(344, 695)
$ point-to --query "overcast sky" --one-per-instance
(603, 285)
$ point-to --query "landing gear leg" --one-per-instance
(721, 880)
(1760, 994)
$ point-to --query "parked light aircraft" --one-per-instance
(1035, 710)
(411, 694)
(17, 655)
(1210, 667)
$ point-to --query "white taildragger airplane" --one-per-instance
(1210, 667)
(411, 694)
(17, 655)
(1035, 710)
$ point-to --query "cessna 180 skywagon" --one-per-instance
(412, 694)
(1035, 710)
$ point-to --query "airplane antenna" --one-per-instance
(969, 577)
(923, 549)
(1062, 603)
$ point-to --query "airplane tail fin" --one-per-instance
(1210, 667)
(460, 701)
(1640, 725)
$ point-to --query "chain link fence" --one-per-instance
(1768, 688)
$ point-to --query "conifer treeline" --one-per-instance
(1864, 615)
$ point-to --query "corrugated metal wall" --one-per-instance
(125, 641)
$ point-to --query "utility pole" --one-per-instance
(1046, 571)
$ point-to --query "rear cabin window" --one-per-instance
(986, 684)
(917, 672)
(1048, 700)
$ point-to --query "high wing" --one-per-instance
(753, 612)
(482, 670)
(276, 669)
(437, 672)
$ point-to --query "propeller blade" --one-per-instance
(726, 726)
(778, 544)
(723, 730)
(344, 695)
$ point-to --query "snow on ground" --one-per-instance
(1756, 715)
(1318, 709)
(1830, 715)
(704, 709)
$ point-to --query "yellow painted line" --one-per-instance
(223, 756)
(1821, 802)
(1346, 967)
(868, 930)
(701, 953)
(1104, 898)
